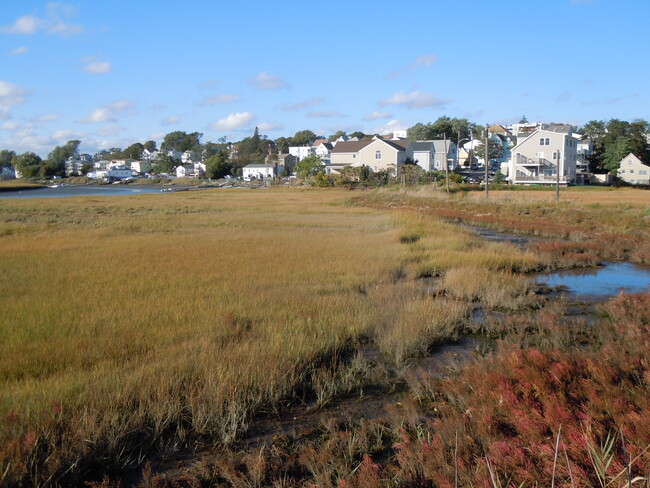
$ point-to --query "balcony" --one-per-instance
(544, 178)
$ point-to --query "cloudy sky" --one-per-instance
(118, 72)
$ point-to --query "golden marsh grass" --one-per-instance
(152, 321)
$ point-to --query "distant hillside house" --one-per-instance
(634, 171)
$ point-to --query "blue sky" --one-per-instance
(114, 73)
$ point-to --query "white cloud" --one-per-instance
(268, 127)
(53, 22)
(110, 130)
(424, 60)
(388, 127)
(11, 94)
(292, 107)
(172, 119)
(376, 115)
(18, 50)
(10, 125)
(415, 99)
(47, 118)
(27, 24)
(326, 114)
(233, 122)
(217, 99)
(266, 81)
(108, 113)
(97, 67)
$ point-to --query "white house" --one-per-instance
(423, 154)
(323, 150)
(185, 171)
(149, 155)
(258, 171)
(634, 171)
(141, 166)
(537, 158)
(301, 152)
(73, 166)
(119, 172)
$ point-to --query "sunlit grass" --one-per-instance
(152, 321)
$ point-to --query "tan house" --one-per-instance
(382, 155)
(536, 159)
(345, 153)
(634, 171)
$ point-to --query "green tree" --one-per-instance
(303, 138)
(218, 166)
(164, 164)
(134, 151)
(495, 150)
(181, 141)
(523, 120)
(615, 152)
(335, 136)
(309, 166)
(282, 144)
(150, 146)
(28, 164)
(6, 157)
(593, 129)
(358, 134)
(55, 163)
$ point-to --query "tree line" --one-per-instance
(612, 141)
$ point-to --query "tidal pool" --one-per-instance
(601, 283)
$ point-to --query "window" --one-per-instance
(631, 171)
(622, 171)
(548, 141)
(377, 154)
(554, 155)
(541, 141)
(643, 172)
(354, 156)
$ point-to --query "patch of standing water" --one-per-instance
(598, 284)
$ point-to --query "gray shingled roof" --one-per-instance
(421, 146)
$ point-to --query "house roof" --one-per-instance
(635, 157)
(439, 144)
(421, 146)
(400, 144)
(257, 166)
(326, 144)
(349, 146)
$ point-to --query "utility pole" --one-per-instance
(444, 138)
(557, 178)
(458, 150)
(487, 145)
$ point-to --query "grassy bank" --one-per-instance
(151, 322)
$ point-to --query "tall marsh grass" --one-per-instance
(151, 322)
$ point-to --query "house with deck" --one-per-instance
(538, 158)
